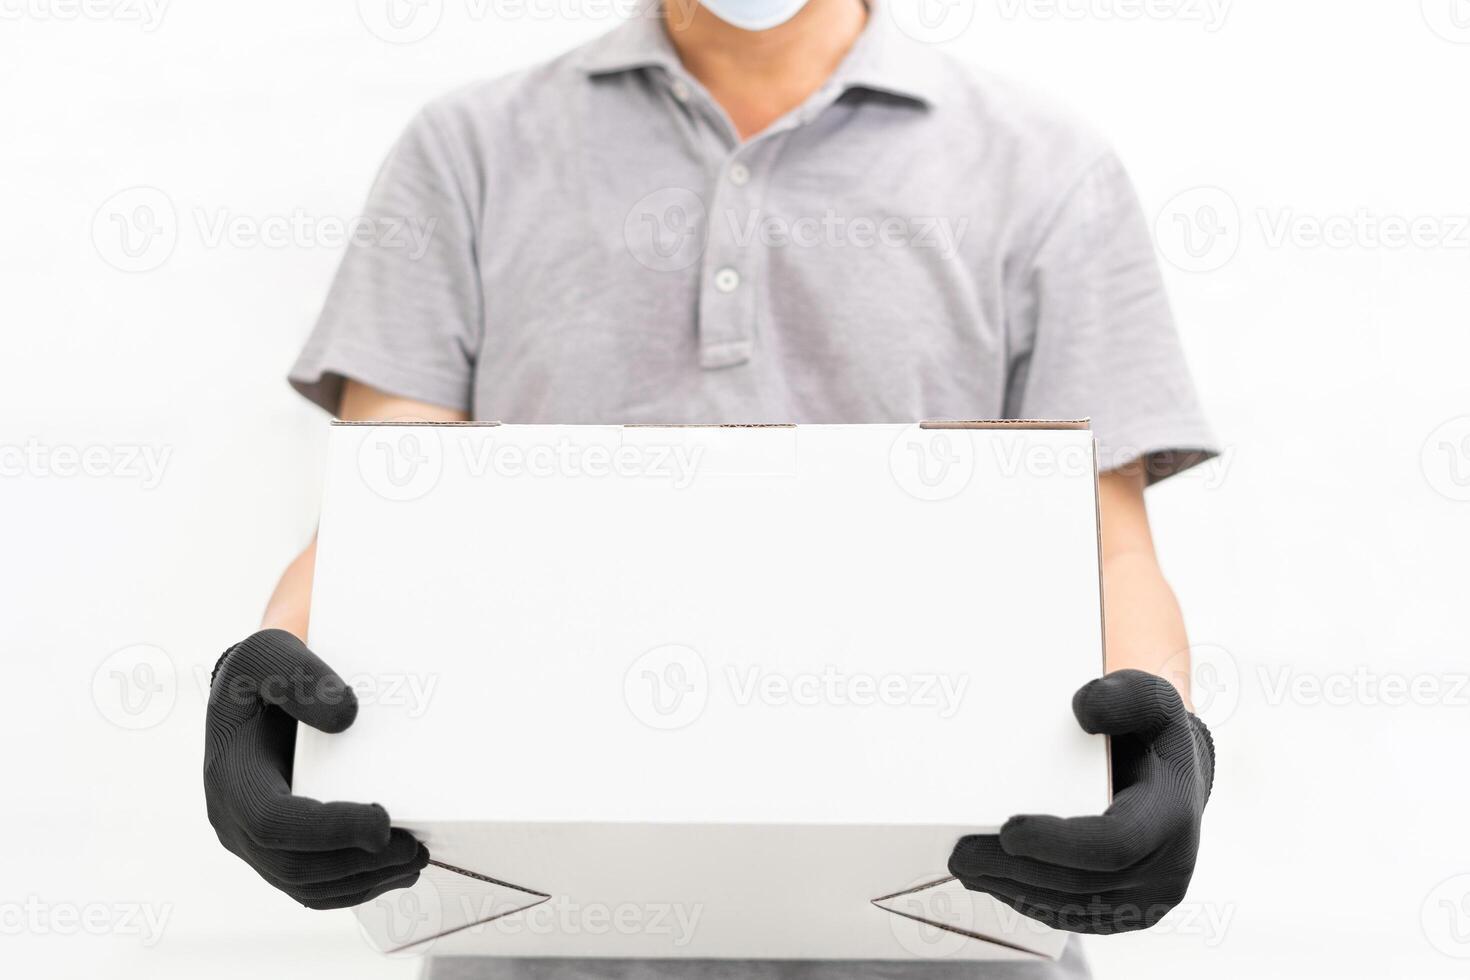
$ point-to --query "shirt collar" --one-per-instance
(638, 42)
(883, 58)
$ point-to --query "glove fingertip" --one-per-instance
(959, 864)
(1015, 833)
(1085, 702)
(337, 718)
(968, 857)
(376, 830)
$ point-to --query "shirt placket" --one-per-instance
(735, 258)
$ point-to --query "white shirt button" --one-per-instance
(739, 174)
(680, 88)
(727, 280)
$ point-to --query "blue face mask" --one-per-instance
(754, 15)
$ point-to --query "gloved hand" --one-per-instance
(1124, 870)
(324, 855)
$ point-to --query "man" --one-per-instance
(748, 211)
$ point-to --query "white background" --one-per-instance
(1329, 547)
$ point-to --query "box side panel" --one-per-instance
(856, 629)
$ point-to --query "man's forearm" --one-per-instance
(1145, 627)
(289, 608)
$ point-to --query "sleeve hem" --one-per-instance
(1161, 454)
(320, 379)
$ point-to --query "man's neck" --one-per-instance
(759, 76)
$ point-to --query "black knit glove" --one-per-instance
(1124, 870)
(324, 855)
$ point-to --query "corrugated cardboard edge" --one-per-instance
(1009, 424)
(1102, 604)
(928, 424)
(411, 422)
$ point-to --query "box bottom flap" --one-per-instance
(697, 891)
(444, 900)
(944, 914)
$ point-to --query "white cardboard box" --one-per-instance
(708, 691)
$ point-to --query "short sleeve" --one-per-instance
(1094, 336)
(404, 311)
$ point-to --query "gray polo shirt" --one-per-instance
(589, 241)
